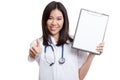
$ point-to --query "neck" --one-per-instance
(56, 37)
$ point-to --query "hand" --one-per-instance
(35, 50)
(100, 47)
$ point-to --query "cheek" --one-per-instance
(48, 23)
(60, 26)
(61, 23)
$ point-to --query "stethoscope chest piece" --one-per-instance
(62, 60)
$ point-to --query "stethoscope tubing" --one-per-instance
(61, 60)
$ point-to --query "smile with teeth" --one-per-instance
(53, 28)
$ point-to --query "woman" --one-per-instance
(53, 52)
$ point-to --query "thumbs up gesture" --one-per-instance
(34, 51)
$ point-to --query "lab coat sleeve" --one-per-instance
(82, 57)
(30, 59)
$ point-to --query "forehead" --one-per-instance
(56, 12)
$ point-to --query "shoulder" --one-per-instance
(70, 40)
(33, 43)
(41, 39)
(71, 36)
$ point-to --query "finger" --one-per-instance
(37, 42)
(31, 54)
(99, 49)
(33, 51)
(102, 44)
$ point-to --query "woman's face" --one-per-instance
(55, 22)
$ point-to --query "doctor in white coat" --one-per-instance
(53, 52)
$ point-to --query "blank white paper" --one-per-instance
(90, 30)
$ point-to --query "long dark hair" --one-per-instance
(64, 33)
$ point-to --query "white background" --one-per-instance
(20, 24)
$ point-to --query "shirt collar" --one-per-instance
(53, 40)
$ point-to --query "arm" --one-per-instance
(85, 67)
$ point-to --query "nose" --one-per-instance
(54, 22)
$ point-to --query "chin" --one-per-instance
(53, 33)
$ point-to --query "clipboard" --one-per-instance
(90, 30)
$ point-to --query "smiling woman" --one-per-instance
(54, 52)
(55, 23)
(20, 23)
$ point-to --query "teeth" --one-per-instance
(53, 28)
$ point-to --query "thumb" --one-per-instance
(37, 42)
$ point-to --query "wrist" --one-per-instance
(91, 56)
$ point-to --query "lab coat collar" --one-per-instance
(54, 42)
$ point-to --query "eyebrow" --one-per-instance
(57, 16)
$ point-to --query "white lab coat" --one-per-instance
(74, 59)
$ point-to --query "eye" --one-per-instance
(50, 18)
(59, 18)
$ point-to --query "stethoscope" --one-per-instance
(61, 60)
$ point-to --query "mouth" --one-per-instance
(53, 28)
